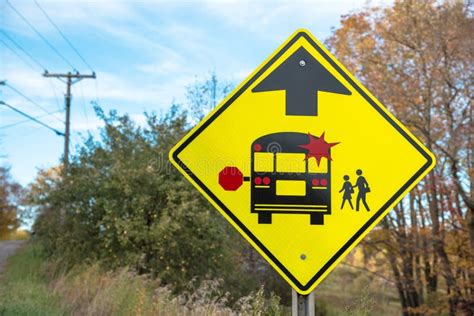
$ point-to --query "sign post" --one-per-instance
(302, 305)
(303, 161)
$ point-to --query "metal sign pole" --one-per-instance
(302, 305)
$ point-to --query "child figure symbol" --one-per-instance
(348, 190)
(362, 187)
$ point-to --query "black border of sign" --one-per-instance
(302, 287)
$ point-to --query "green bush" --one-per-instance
(124, 205)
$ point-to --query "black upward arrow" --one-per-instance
(301, 76)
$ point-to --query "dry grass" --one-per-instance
(19, 234)
(33, 286)
(91, 292)
(352, 290)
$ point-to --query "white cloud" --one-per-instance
(242, 74)
(271, 19)
(159, 48)
(82, 124)
(113, 88)
(123, 21)
(64, 13)
(165, 67)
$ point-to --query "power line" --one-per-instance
(31, 101)
(32, 118)
(27, 63)
(71, 78)
(23, 50)
(50, 81)
(84, 108)
(96, 92)
(17, 55)
(25, 121)
(63, 36)
(40, 35)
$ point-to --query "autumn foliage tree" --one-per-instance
(10, 194)
(417, 58)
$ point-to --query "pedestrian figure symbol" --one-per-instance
(362, 187)
(348, 190)
(261, 158)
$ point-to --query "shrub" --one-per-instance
(122, 204)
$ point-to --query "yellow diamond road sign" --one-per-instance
(302, 160)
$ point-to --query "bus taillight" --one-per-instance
(283, 179)
(257, 147)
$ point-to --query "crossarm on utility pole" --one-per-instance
(67, 98)
(70, 75)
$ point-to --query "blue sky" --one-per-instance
(144, 53)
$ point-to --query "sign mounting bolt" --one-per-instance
(303, 256)
(302, 63)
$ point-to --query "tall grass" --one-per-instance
(23, 290)
(32, 286)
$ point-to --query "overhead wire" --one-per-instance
(25, 121)
(36, 61)
(17, 55)
(45, 40)
(76, 140)
(96, 92)
(50, 81)
(32, 101)
(28, 63)
(31, 118)
(63, 36)
(84, 107)
(23, 50)
(66, 39)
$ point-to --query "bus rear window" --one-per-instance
(314, 168)
(290, 162)
(263, 162)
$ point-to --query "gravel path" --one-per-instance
(7, 248)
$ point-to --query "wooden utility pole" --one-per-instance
(69, 79)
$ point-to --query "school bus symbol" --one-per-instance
(283, 179)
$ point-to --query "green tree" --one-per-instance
(204, 96)
(125, 205)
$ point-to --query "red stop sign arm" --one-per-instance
(231, 178)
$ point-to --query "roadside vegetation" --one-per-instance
(11, 194)
(121, 232)
(416, 57)
(18, 234)
(34, 285)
